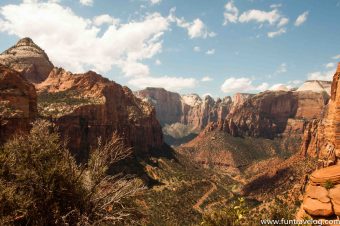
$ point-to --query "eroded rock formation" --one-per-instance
(29, 59)
(321, 198)
(18, 103)
(88, 106)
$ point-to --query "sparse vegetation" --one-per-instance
(60, 103)
(41, 184)
(329, 184)
(234, 214)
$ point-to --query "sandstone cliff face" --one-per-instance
(321, 198)
(188, 110)
(29, 59)
(18, 103)
(274, 112)
(88, 106)
(168, 105)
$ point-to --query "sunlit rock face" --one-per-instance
(29, 59)
(88, 106)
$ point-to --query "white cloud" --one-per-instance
(154, 2)
(195, 29)
(169, 83)
(281, 69)
(231, 13)
(197, 49)
(158, 62)
(105, 19)
(283, 21)
(86, 2)
(234, 85)
(330, 65)
(260, 16)
(279, 87)
(84, 45)
(301, 19)
(321, 75)
(206, 79)
(207, 94)
(276, 33)
(210, 52)
(337, 57)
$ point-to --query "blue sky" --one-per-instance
(193, 46)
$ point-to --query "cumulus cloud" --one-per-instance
(169, 83)
(105, 19)
(158, 62)
(279, 32)
(210, 52)
(272, 17)
(279, 87)
(234, 85)
(301, 19)
(86, 2)
(206, 79)
(321, 75)
(283, 21)
(260, 16)
(231, 13)
(195, 29)
(84, 45)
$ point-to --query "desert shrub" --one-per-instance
(329, 184)
(41, 184)
(233, 215)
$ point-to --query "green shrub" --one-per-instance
(41, 184)
(329, 184)
(233, 215)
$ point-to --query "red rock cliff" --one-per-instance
(88, 106)
(18, 103)
(29, 59)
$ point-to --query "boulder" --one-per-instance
(316, 208)
(334, 194)
(329, 174)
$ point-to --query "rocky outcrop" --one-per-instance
(321, 198)
(29, 59)
(317, 86)
(322, 141)
(168, 105)
(88, 106)
(188, 110)
(274, 112)
(18, 103)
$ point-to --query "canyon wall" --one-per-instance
(18, 103)
(85, 107)
(321, 140)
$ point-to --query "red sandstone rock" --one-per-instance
(18, 103)
(29, 59)
(316, 208)
(92, 107)
(189, 110)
